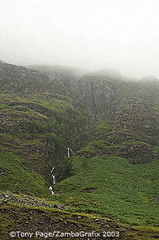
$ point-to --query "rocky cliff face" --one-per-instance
(99, 94)
(106, 96)
(133, 110)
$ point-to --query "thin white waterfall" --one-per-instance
(69, 152)
(53, 180)
(51, 190)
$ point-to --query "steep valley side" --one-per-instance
(112, 128)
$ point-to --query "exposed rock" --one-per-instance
(156, 199)
(89, 190)
(3, 171)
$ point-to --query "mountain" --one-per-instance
(96, 133)
(37, 125)
(67, 76)
(127, 116)
(2, 62)
(18, 79)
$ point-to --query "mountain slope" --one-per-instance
(38, 127)
(127, 116)
(112, 126)
(110, 186)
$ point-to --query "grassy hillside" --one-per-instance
(113, 187)
(37, 131)
(14, 177)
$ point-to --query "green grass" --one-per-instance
(17, 178)
(123, 191)
(40, 125)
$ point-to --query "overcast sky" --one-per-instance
(93, 34)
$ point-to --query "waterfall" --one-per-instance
(69, 152)
(50, 188)
(53, 179)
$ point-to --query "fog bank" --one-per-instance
(98, 34)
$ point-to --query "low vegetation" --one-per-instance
(111, 186)
(110, 181)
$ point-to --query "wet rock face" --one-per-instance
(99, 95)
(106, 96)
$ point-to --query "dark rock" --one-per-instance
(89, 190)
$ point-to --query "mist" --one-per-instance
(98, 34)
